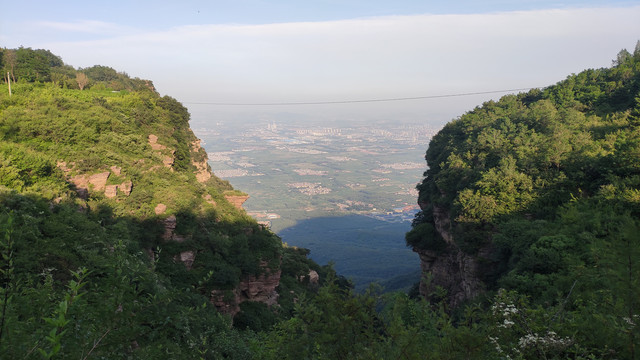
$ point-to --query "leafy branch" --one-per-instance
(59, 320)
(6, 270)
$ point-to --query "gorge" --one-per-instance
(117, 241)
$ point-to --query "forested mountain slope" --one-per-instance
(539, 193)
(529, 237)
(116, 239)
(118, 243)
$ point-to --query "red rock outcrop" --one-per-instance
(313, 277)
(209, 199)
(97, 181)
(170, 224)
(169, 227)
(203, 170)
(125, 188)
(83, 183)
(237, 200)
(111, 191)
(261, 288)
(62, 165)
(160, 209)
(116, 170)
(167, 160)
(153, 141)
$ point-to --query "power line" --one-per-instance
(358, 101)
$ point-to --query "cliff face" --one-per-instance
(237, 200)
(458, 273)
(203, 170)
(453, 271)
(131, 157)
(258, 288)
(261, 288)
(116, 185)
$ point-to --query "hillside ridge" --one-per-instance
(529, 232)
(519, 166)
(103, 183)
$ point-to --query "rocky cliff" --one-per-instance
(131, 157)
(252, 287)
(108, 207)
(450, 268)
(260, 288)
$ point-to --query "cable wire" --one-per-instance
(358, 101)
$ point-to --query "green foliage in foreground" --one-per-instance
(549, 178)
(80, 284)
(338, 324)
(90, 275)
(113, 306)
(122, 308)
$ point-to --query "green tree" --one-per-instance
(32, 65)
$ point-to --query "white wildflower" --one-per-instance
(548, 341)
(494, 341)
(631, 321)
(506, 323)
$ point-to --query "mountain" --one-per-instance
(539, 193)
(117, 242)
(528, 235)
(115, 236)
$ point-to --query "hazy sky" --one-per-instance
(258, 51)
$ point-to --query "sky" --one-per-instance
(207, 53)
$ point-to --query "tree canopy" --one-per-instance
(137, 264)
(547, 182)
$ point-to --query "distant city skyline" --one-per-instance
(325, 51)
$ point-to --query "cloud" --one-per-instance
(84, 26)
(392, 56)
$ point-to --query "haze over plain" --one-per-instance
(254, 52)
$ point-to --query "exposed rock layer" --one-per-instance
(237, 200)
(203, 170)
(261, 288)
(457, 272)
(84, 183)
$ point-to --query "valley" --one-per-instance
(117, 241)
(300, 174)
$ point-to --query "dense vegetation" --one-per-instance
(548, 179)
(549, 182)
(84, 273)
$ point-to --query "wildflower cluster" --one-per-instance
(506, 311)
(494, 341)
(631, 321)
(523, 332)
(550, 342)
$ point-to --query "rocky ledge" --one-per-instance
(261, 288)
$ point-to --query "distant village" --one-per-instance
(322, 164)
